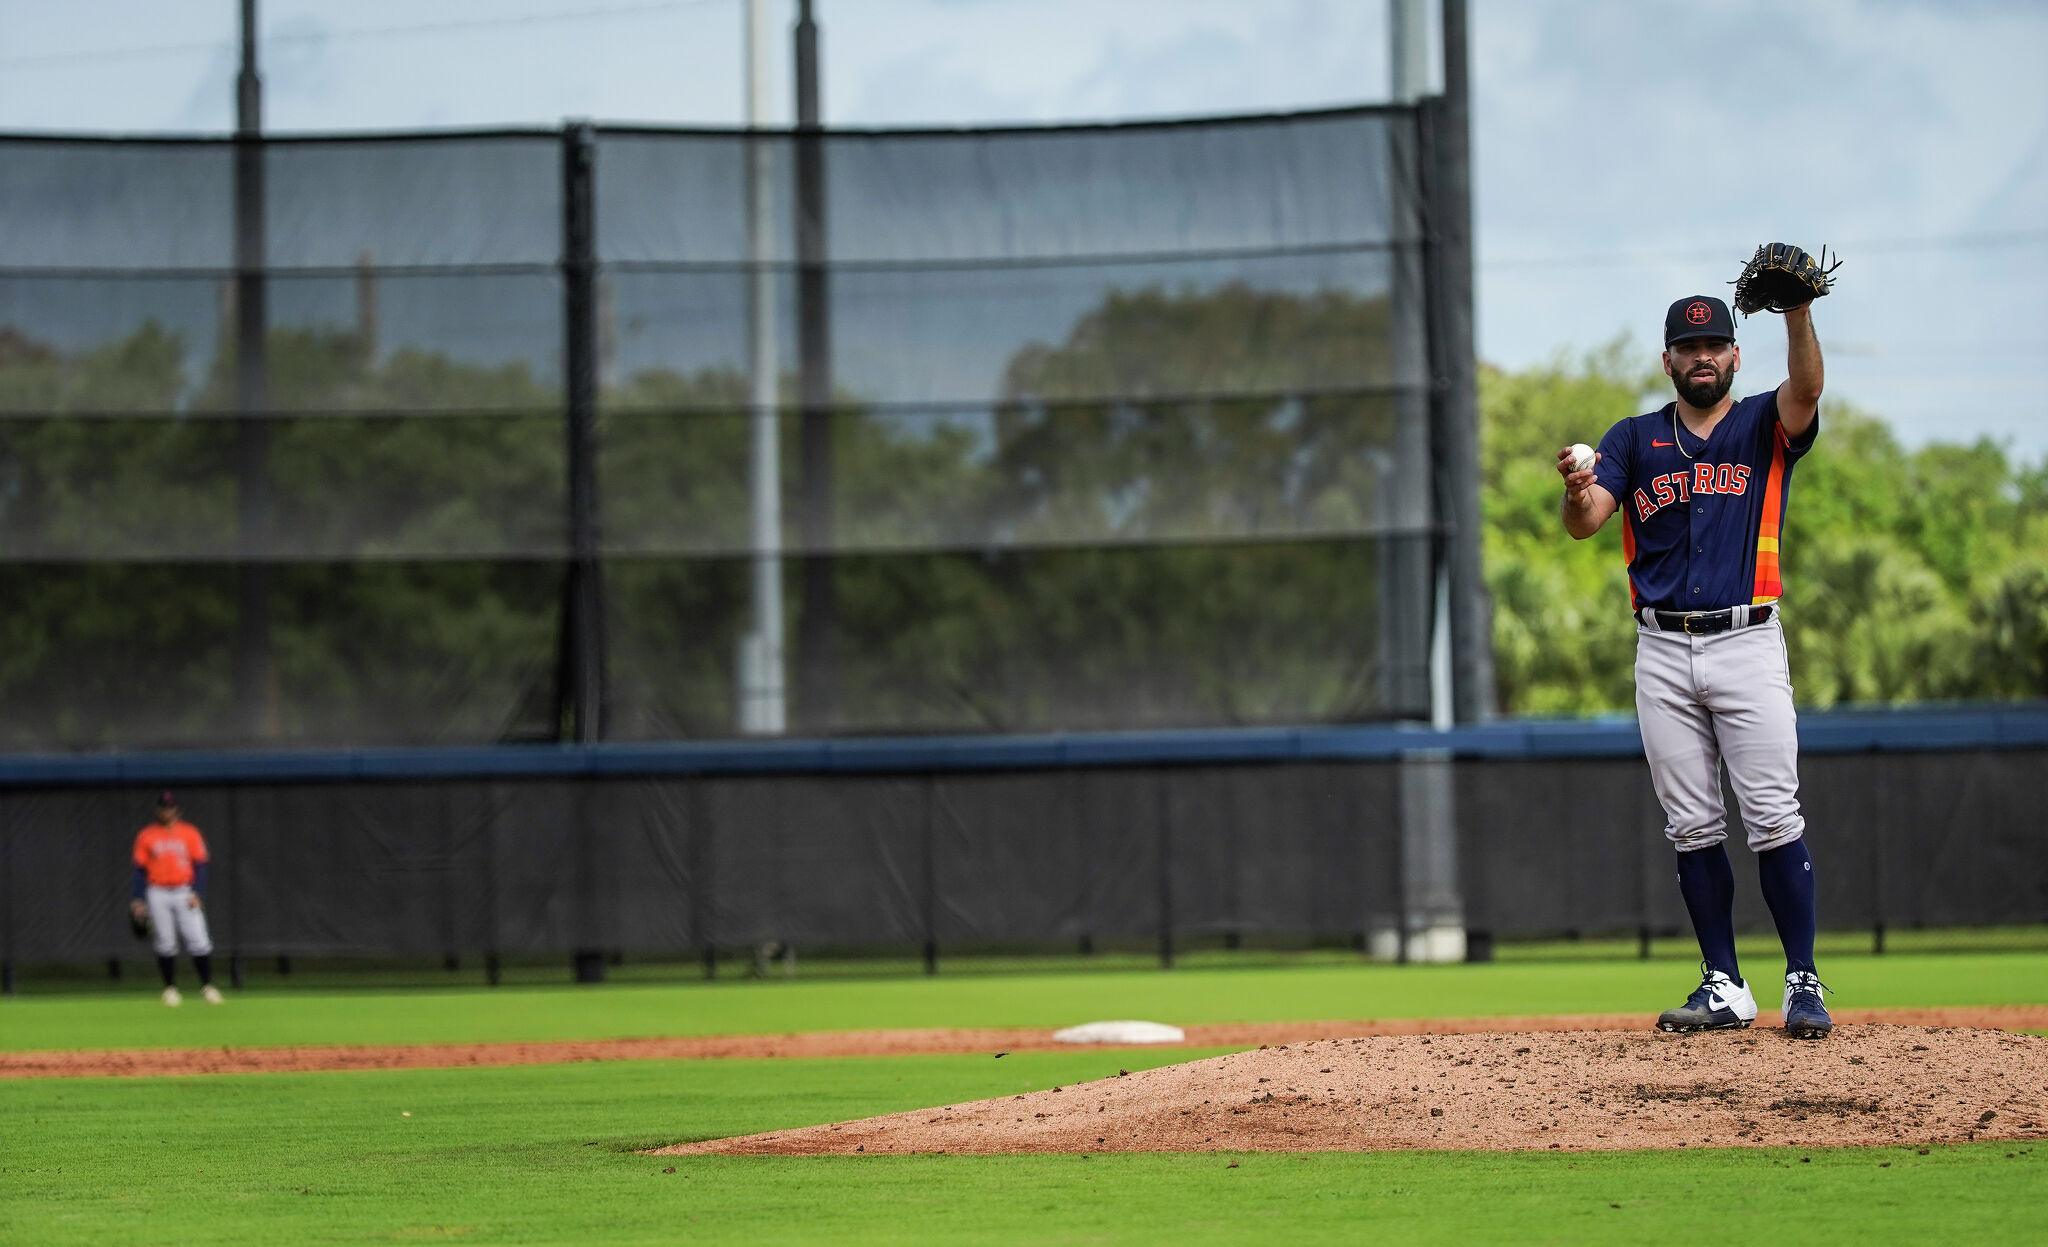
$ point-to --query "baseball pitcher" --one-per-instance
(1702, 485)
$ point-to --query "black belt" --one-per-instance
(1706, 623)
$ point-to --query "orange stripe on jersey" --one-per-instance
(1628, 556)
(1768, 588)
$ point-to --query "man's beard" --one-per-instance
(1704, 394)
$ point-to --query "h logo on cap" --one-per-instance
(1699, 313)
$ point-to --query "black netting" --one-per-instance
(1088, 402)
(676, 865)
(1014, 475)
(944, 335)
(1304, 182)
(109, 655)
(1146, 636)
(116, 206)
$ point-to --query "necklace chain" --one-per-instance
(1675, 439)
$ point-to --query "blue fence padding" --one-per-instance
(1820, 732)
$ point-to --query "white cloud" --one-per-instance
(1661, 130)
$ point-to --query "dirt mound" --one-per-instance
(160, 1062)
(1868, 1084)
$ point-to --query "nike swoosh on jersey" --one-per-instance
(1655, 442)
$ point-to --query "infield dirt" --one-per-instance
(1573, 1090)
(158, 1062)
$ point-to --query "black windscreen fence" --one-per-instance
(677, 866)
(1073, 428)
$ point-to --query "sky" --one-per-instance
(1626, 152)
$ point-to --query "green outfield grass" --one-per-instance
(1209, 952)
(545, 1155)
(130, 1017)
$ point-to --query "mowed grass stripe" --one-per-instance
(132, 1018)
(523, 1155)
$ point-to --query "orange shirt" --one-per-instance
(167, 854)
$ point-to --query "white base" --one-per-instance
(1431, 944)
(1121, 1033)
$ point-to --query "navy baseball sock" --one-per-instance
(1707, 882)
(203, 962)
(1787, 875)
(168, 967)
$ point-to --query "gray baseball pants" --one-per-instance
(1705, 700)
(172, 917)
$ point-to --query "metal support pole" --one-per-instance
(6, 896)
(585, 633)
(817, 659)
(703, 926)
(451, 937)
(254, 673)
(237, 848)
(931, 875)
(583, 615)
(1162, 814)
(1408, 50)
(763, 704)
(1880, 793)
(490, 885)
(583, 691)
(589, 957)
(1471, 614)
(1405, 498)
(1077, 809)
(1432, 907)
(1403, 886)
(1650, 873)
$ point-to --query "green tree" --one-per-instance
(1909, 575)
(1564, 642)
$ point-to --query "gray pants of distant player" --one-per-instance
(1705, 700)
(171, 916)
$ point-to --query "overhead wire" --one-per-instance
(598, 13)
(1640, 259)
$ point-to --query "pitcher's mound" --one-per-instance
(1567, 1090)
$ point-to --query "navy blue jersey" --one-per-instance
(1702, 516)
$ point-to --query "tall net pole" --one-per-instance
(762, 701)
(582, 683)
(817, 648)
(1406, 498)
(1471, 615)
(1432, 919)
(255, 677)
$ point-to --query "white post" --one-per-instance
(762, 700)
(1432, 924)
(1442, 708)
(1408, 81)
(1408, 49)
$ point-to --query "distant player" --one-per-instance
(1702, 485)
(170, 876)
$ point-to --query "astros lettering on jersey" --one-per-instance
(167, 854)
(1702, 515)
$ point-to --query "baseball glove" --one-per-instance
(138, 920)
(1780, 277)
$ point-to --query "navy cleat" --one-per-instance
(1718, 1003)
(1805, 1016)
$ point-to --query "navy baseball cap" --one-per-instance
(166, 800)
(1698, 316)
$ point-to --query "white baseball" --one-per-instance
(1582, 457)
